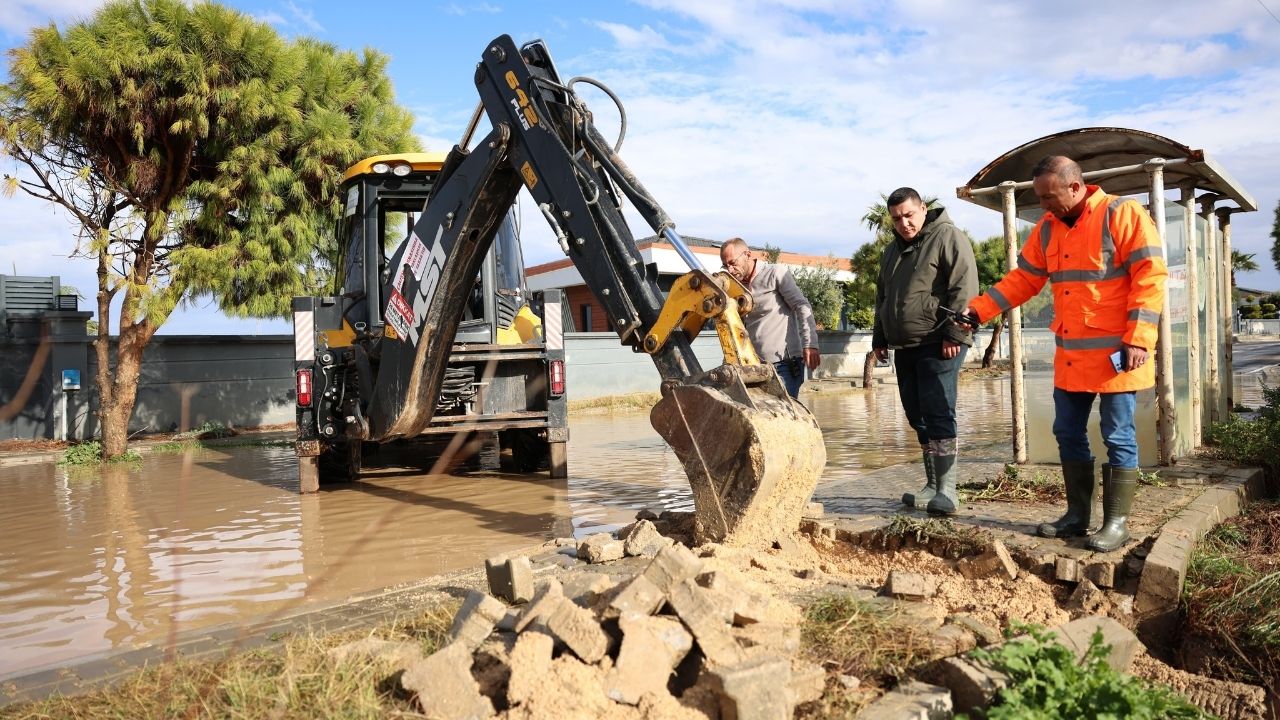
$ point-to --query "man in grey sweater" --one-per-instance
(781, 324)
(928, 266)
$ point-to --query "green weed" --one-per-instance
(90, 453)
(1015, 484)
(1252, 442)
(1047, 681)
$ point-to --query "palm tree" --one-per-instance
(1241, 262)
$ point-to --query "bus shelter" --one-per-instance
(1193, 354)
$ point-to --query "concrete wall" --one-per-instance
(187, 380)
(241, 381)
(1259, 327)
(246, 381)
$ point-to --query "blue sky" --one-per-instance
(782, 120)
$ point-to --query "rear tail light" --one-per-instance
(557, 377)
(304, 388)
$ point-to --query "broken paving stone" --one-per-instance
(672, 566)
(743, 606)
(913, 700)
(994, 561)
(510, 578)
(599, 548)
(644, 540)
(545, 599)
(639, 596)
(951, 640)
(700, 612)
(973, 686)
(757, 689)
(651, 649)
(477, 617)
(585, 587)
(530, 662)
(910, 585)
(1101, 573)
(982, 632)
(1088, 599)
(577, 628)
(778, 638)
(443, 687)
(1066, 569)
(808, 681)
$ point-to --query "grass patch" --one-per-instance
(181, 446)
(1047, 681)
(90, 453)
(866, 640)
(1231, 599)
(1252, 442)
(631, 402)
(300, 679)
(206, 431)
(1015, 484)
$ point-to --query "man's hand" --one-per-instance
(882, 354)
(950, 349)
(1134, 357)
(811, 358)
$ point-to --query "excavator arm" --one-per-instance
(753, 455)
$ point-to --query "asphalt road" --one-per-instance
(1254, 356)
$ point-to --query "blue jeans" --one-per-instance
(1071, 420)
(791, 372)
(927, 389)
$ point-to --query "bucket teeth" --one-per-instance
(752, 467)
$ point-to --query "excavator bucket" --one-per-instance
(753, 454)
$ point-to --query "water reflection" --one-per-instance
(132, 555)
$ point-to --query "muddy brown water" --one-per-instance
(119, 557)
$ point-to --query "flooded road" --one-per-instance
(129, 555)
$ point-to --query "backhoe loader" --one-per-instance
(752, 454)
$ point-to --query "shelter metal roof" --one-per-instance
(1103, 148)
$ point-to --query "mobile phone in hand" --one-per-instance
(1117, 360)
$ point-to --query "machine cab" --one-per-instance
(382, 198)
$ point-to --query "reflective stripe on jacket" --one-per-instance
(1108, 274)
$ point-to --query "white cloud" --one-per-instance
(20, 16)
(799, 114)
(782, 121)
(304, 17)
(629, 38)
(483, 8)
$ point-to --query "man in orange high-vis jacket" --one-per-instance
(1102, 254)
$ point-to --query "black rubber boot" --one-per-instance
(1117, 499)
(920, 500)
(1080, 481)
(944, 501)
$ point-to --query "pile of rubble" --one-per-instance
(674, 640)
(637, 625)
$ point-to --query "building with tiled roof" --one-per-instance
(589, 315)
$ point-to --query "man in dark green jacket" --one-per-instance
(928, 265)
